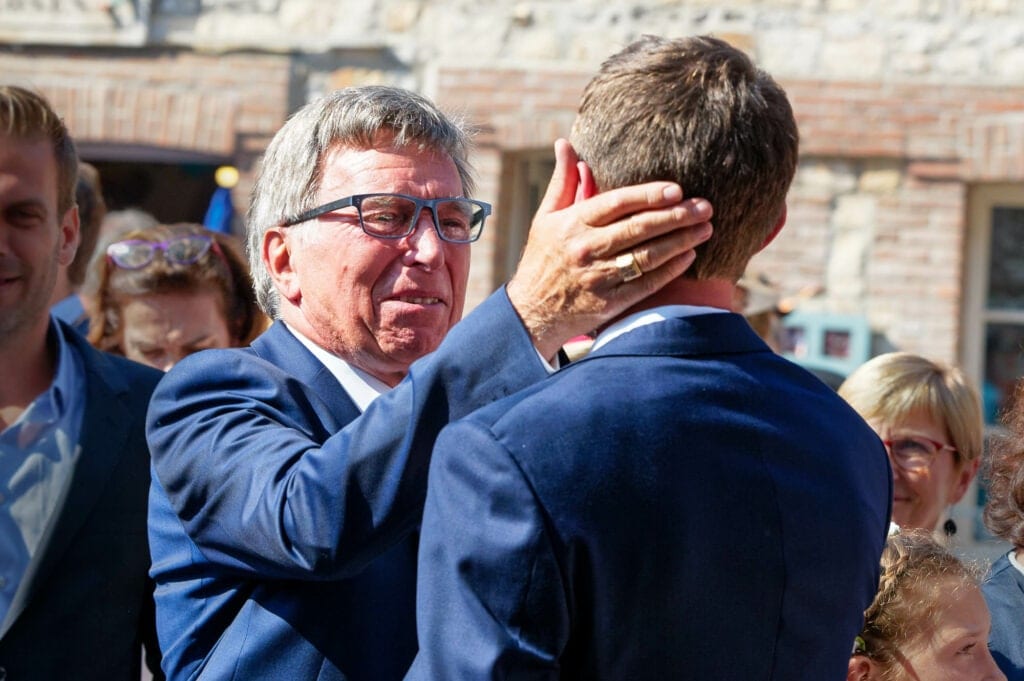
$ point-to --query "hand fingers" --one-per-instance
(657, 278)
(625, 234)
(614, 204)
(655, 253)
(562, 187)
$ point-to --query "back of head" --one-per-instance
(892, 386)
(695, 111)
(355, 118)
(27, 116)
(91, 210)
(918, 577)
(221, 269)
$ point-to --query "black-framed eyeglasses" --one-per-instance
(394, 216)
(134, 254)
(914, 452)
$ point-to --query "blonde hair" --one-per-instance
(912, 593)
(893, 386)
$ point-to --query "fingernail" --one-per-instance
(701, 205)
(673, 192)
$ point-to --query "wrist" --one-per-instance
(539, 325)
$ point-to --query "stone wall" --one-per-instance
(903, 105)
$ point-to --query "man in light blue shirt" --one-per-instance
(75, 598)
(37, 455)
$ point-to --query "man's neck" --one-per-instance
(27, 365)
(705, 292)
(297, 322)
(63, 288)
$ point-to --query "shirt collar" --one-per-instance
(360, 386)
(650, 316)
(52, 404)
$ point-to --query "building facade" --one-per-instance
(906, 218)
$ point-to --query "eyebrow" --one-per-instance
(27, 203)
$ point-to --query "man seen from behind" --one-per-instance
(681, 502)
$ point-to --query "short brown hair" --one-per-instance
(26, 115)
(91, 211)
(695, 111)
(1004, 510)
(916, 575)
(228, 276)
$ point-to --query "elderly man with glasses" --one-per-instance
(289, 477)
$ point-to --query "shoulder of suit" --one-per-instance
(117, 372)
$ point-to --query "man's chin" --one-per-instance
(406, 350)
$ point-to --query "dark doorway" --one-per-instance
(170, 192)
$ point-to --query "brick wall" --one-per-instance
(878, 210)
(221, 106)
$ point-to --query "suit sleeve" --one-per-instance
(263, 490)
(491, 598)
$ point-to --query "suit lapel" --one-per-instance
(332, 404)
(101, 441)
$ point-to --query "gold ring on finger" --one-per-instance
(629, 269)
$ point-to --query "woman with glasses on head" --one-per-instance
(929, 418)
(170, 290)
(928, 621)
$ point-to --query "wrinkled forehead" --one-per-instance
(388, 168)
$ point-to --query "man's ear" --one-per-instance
(70, 236)
(586, 186)
(776, 229)
(278, 259)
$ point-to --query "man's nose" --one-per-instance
(425, 243)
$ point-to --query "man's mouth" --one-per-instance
(417, 300)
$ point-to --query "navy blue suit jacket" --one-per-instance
(1004, 593)
(681, 503)
(280, 517)
(85, 606)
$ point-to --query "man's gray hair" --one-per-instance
(289, 177)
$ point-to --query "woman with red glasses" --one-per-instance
(929, 417)
(167, 291)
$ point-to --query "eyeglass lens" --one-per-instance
(136, 254)
(913, 452)
(391, 216)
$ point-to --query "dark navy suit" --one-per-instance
(1004, 593)
(280, 518)
(680, 504)
(85, 605)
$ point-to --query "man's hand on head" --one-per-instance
(571, 278)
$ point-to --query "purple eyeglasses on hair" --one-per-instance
(134, 254)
